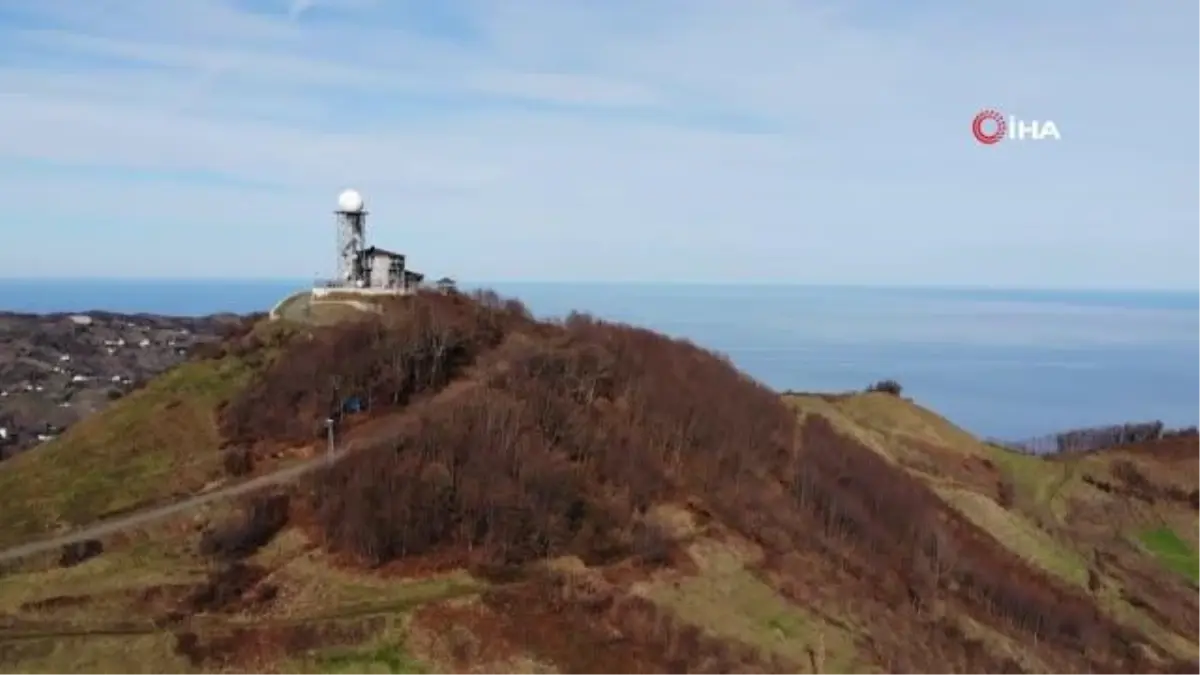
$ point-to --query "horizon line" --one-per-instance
(634, 282)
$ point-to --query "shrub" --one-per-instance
(225, 587)
(1128, 473)
(251, 529)
(1006, 493)
(80, 551)
(238, 461)
(887, 387)
(208, 350)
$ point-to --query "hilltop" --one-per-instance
(577, 496)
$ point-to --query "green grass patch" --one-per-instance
(294, 307)
(1041, 485)
(384, 650)
(158, 442)
(385, 659)
(303, 308)
(323, 590)
(1172, 551)
(731, 602)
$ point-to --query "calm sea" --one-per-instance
(1008, 364)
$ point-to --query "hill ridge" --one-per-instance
(635, 499)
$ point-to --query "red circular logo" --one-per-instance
(980, 123)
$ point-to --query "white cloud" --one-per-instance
(654, 140)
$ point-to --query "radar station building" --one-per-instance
(366, 269)
(385, 269)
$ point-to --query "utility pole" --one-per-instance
(329, 434)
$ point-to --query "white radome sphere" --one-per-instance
(350, 201)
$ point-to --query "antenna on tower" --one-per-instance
(351, 238)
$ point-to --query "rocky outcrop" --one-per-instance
(57, 368)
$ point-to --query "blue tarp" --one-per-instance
(353, 404)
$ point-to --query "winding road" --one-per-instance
(151, 514)
(363, 435)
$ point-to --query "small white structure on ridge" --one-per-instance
(362, 268)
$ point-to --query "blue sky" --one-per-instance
(657, 140)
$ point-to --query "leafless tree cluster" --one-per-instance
(382, 361)
(894, 522)
(557, 438)
(1091, 439)
(557, 446)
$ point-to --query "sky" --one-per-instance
(632, 140)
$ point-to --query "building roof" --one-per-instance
(375, 250)
(415, 276)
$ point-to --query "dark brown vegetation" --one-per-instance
(236, 337)
(886, 531)
(557, 447)
(1131, 482)
(78, 552)
(247, 531)
(237, 461)
(516, 441)
(256, 645)
(887, 387)
(1006, 493)
(383, 362)
(231, 587)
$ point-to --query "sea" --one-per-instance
(1004, 364)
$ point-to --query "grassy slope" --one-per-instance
(155, 445)
(303, 308)
(1057, 520)
(1173, 551)
(162, 441)
(158, 442)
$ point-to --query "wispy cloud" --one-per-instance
(664, 139)
(298, 7)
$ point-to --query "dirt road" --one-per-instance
(362, 435)
(151, 514)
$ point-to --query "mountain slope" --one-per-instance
(586, 496)
(56, 369)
